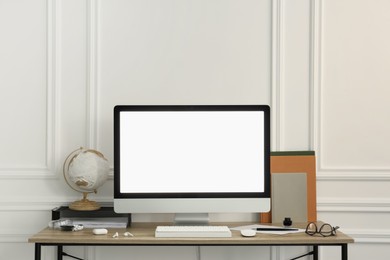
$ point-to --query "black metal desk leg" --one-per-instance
(37, 251)
(344, 252)
(59, 252)
(315, 252)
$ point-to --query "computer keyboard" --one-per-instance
(193, 231)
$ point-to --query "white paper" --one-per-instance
(282, 232)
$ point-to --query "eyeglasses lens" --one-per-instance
(311, 229)
(326, 230)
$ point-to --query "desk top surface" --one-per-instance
(144, 235)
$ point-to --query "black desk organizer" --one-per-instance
(103, 212)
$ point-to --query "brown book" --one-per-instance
(296, 162)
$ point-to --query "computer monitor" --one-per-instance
(192, 159)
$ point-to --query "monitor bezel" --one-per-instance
(267, 151)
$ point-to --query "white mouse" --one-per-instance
(99, 231)
(248, 233)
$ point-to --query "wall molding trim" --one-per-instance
(90, 252)
(277, 73)
(347, 175)
(28, 173)
(52, 76)
(14, 238)
(324, 172)
(44, 205)
(361, 205)
(369, 236)
(314, 68)
(31, 205)
(92, 74)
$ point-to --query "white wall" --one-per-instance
(322, 65)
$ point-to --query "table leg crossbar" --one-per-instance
(60, 253)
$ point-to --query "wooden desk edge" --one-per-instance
(144, 235)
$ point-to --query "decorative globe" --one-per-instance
(85, 170)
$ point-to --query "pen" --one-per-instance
(276, 229)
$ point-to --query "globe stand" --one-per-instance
(84, 204)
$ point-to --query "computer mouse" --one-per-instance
(248, 233)
(100, 231)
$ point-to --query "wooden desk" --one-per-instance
(144, 235)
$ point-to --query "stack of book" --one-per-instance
(102, 218)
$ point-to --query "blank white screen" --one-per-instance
(182, 151)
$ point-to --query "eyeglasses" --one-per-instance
(326, 230)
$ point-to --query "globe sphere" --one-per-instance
(85, 170)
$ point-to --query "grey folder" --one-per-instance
(289, 197)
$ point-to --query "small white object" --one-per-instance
(128, 234)
(115, 235)
(248, 233)
(100, 231)
(56, 224)
(193, 231)
(78, 227)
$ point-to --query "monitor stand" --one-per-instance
(191, 219)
